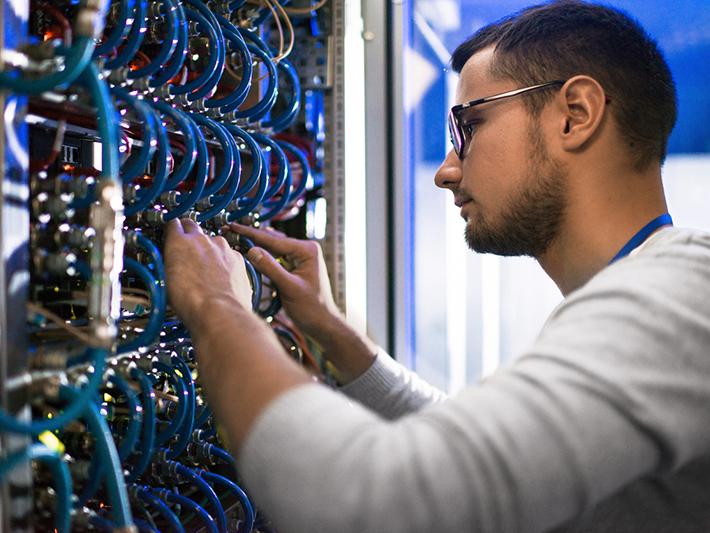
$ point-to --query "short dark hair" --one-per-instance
(563, 38)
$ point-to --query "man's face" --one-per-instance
(510, 190)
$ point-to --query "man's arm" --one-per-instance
(242, 365)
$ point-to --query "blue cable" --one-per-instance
(204, 416)
(156, 259)
(136, 163)
(167, 47)
(147, 442)
(151, 332)
(100, 523)
(127, 444)
(255, 279)
(246, 205)
(60, 476)
(226, 142)
(205, 489)
(186, 127)
(285, 119)
(134, 38)
(241, 496)
(187, 201)
(148, 196)
(106, 450)
(221, 52)
(264, 105)
(238, 95)
(257, 160)
(172, 497)
(77, 58)
(283, 180)
(144, 527)
(206, 78)
(281, 160)
(185, 434)
(119, 30)
(145, 495)
(181, 392)
(83, 397)
(303, 161)
(224, 455)
(175, 63)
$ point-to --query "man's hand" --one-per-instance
(304, 287)
(201, 269)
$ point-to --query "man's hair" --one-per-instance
(561, 39)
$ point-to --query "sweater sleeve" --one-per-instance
(390, 389)
(615, 389)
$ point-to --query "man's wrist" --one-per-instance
(201, 320)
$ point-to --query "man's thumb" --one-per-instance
(265, 263)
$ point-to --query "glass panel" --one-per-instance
(472, 313)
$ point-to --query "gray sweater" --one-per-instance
(602, 426)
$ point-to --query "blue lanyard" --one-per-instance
(643, 234)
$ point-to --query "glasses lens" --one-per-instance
(455, 133)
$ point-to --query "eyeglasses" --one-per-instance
(461, 130)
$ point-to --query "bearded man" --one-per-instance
(560, 129)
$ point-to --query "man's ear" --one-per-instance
(582, 103)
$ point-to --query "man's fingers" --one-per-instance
(172, 229)
(270, 267)
(190, 226)
(276, 244)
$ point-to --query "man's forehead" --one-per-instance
(475, 80)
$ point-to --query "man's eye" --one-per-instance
(469, 128)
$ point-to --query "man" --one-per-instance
(603, 425)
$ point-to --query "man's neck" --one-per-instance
(597, 225)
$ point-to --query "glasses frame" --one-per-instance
(458, 138)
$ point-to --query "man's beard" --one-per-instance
(532, 218)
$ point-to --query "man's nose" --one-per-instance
(448, 175)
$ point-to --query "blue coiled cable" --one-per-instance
(83, 397)
(199, 483)
(146, 496)
(238, 95)
(119, 30)
(185, 434)
(151, 332)
(134, 38)
(60, 475)
(210, 76)
(147, 196)
(237, 491)
(178, 420)
(281, 161)
(136, 163)
(228, 146)
(107, 126)
(257, 160)
(175, 63)
(264, 105)
(106, 450)
(221, 52)
(167, 47)
(303, 161)
(246, 205)
(285, 119)
(187, 201)
(185, 126)
(147, 441)
(178, 499)
(127, 444)
(77, 57)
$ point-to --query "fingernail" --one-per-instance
(254, 255)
